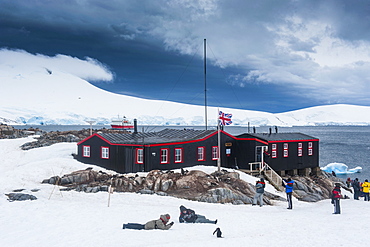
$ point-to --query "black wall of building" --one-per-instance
(122, 158)
(246, 150)
(95, 144)
(293, 161)
(190, 154)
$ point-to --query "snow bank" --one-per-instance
(71, 218)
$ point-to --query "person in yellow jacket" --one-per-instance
(365, 189)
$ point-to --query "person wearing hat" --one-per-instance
(188, 215)
(365, 189)
(335, 197)
(288, 184)
(356, 188)
(260, 189)
(161, 223)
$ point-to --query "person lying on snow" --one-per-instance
(188, 215)
(161, 223)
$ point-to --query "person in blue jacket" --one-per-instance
(288, 184)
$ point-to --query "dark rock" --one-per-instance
(18, 190)
(145, 191)
(20, 197)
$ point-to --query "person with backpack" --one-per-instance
(188, 215)
(356, 189)
(335, 197)
(260, 189)
(160, 223)
(288, 184)
(365, 190)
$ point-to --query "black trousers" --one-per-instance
(336, 206)
(289, 199)
(356, 194)
(135, 226)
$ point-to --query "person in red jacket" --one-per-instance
(335, 198)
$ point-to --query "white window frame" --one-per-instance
(300, 152)
(215, 153)
(178, 155)
(86, 151)
(201, 154)
(273, 146)
(164, 154)
(139, 156)
(286, 153)
(105, 152)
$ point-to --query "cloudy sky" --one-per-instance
(268, 55)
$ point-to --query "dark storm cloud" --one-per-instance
(281, 54)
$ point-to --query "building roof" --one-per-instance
(163, 136)
(278, 136)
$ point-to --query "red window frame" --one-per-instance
(215, 153)
(286, 152)
(300, 152)
(181, 155)
(201, 156)
(310, 149)
(274, 150)
(137, 160)
(164, 152)
(101, 153)
(84, 153)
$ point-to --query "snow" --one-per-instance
(340, 168)
(81, 219)
(37, 89)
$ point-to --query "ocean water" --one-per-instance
(342, 144)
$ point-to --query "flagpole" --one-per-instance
(218, 141)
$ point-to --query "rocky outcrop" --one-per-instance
(223, 187)
(217, 187)
(315, 188)
(9, 132)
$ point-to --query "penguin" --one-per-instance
(219, 233)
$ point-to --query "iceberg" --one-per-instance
(340, 168)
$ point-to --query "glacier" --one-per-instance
(340, 168)
(31, 95)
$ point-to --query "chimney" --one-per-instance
(135, 126)
(276, 129)
(270, 130)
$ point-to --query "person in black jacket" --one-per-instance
(260, 189)
(188, 215)
(356, 188)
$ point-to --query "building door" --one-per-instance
(129, 160)
(260, 155)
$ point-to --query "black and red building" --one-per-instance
(174, 148)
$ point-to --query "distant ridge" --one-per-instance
(33, 95)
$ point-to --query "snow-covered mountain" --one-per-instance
(36, 89)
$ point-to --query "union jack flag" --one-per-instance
(224, 118)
